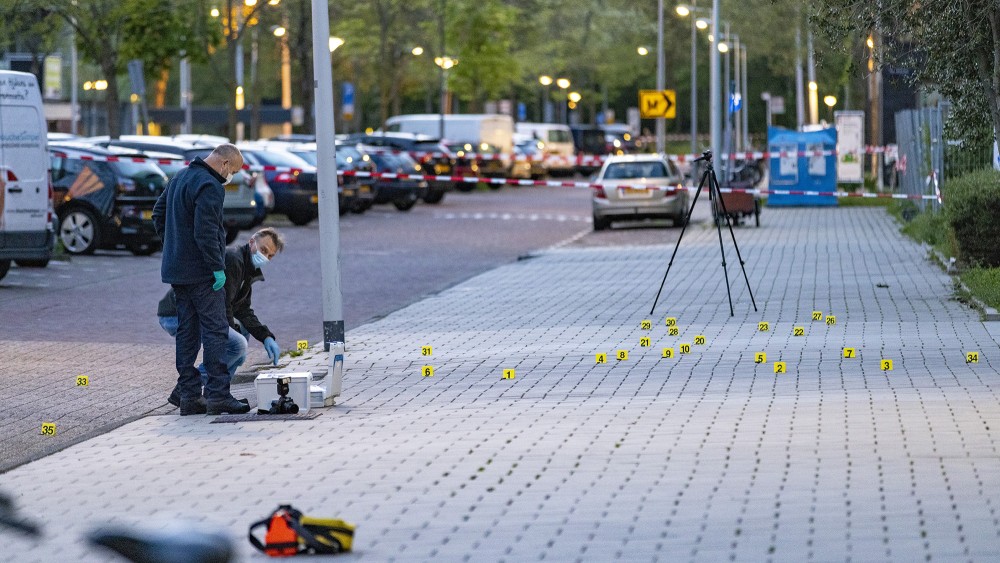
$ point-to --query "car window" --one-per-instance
(278, 159)
(559, 136)
(136, 170)
(307, 156)
(622, 170)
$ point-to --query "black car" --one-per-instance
(294, 183)
(401, 193)
(589, 141)
(104, 204)
(355, 193)
(429, 152)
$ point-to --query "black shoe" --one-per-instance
(228, 406)
(193, 406)
(174, 398)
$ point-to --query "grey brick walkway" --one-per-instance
(705, 456)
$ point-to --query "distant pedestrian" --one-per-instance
(243, 269)
(188, 217)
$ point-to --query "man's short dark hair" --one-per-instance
(274, 235)
(228, 151)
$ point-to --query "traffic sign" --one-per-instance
(658, 103)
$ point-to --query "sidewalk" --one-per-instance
(705, 456)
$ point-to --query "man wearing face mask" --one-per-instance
(188, 218)
(243, 269)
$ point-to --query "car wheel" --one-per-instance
(433, 197)
(300, 218)
(4, 268)
(32, 263)
(465, 186)
(493, 186)
(358, 207)
(231, 234)
(406, 203)
(79, 231)
(601, 223)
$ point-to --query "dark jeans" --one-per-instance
(202, 322)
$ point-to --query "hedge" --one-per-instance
(972, 209)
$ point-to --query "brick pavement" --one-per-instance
(705, 456)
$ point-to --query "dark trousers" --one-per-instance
(202, 322)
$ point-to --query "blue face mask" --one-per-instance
(258, 259)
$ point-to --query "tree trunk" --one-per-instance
(111, 104)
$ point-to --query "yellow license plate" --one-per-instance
(636, 192)
(147, 214)
(348, 193)
(314, 198)
(366, 189)
(232, 187)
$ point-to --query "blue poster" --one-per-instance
(802, 162)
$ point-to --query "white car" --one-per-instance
(635, 187)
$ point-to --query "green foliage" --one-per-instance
(972, 203)
(984, 283)
(157, 32)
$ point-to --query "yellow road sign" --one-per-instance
(658, 103)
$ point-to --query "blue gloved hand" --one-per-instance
(220, 280)
(272, 349)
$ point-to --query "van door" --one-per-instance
(23, 156)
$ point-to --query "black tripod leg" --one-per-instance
(716, 196)
(738, 255)
(687, 221)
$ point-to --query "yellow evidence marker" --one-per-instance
(645, 342)
(301, 345)
(48, 429)
(427, 371)
(508, 374)
(426, 351)
(817, 315)
(646, 325)
(799, 331)
(886, 365)
(760, 358)
(601, 358)
(622, 355)
(82, 381)
(671, 321)
(763, 326)
(699, 340)
(972, 357)
(780, 367)
(673, 331)
(831, 320)
(668, 353)
(849, 353)
(685, 348)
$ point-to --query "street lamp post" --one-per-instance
(446, 63)
(572, 99)
(563, 84)
(661, 125)
(281, 32)
(544, 114)
(830, 101)
(696, 24)
(714, 86)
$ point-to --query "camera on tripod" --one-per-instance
(283, 404)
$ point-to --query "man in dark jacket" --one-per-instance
(243, 269)
(188, 217)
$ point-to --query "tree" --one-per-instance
(30, 27)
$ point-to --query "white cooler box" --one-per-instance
(298, 389)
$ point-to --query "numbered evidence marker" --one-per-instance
(671, 321)
(601, 358)
(668, 353)
(82, 381)
(850, 353)
(673, 331)
(780, 367)
(508, 374)
(817, 315)
(685, 348)
(427, 371)
(302, 345)
(645, 342)
(799, 331)
(763, 326)
(972, 357)
(426, 351)
(886, 365)
(831, 320)
(646, 325)
(699, 339)
(48, 429)
(760, 358)
(622, 355)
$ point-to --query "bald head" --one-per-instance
(225, 159)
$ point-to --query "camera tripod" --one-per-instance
(715, 196)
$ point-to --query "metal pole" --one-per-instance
(715, 88)
(74, 79)
(813, 90)
(444, 79)
(185, 78)
(737, 90)
(694, 83)
(239, 74)
(746, 104)
(286, 78)
(661, 124)
(800, 103)
(326, 172)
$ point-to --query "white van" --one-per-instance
(492, 128)
(26, 229)
(558, 140)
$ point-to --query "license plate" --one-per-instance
(348, 193)
(366, 189)
(635, 192)
(147, 214)
(232, 187)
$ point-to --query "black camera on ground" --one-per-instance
(283, 404)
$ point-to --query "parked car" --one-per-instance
(647, 186)
(619, 139)
(434, 159)
(355, 193)
(529, 160)
(295, 190)
(240, 209)
(589, 142)
(478, 160)
(557, 149)
(401, 193)
(104, 204)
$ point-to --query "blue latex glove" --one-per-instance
(220, 280)
(272, 349)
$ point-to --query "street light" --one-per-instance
(830, 101)
(642, 51)
(335, 42)
(445, 63)
(544, 113)
(417, 51)
(563, 84)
